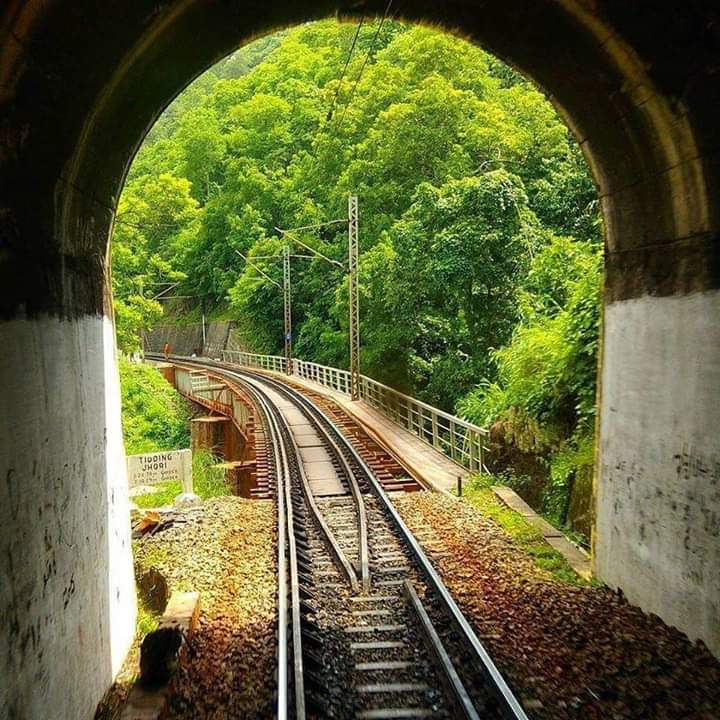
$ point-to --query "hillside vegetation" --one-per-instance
(155, 417)
(480, 241)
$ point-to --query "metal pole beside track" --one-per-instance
(354, 297)
(287, 309)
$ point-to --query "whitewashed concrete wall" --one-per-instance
(658, 489)
(66, 589)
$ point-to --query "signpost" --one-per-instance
(160, 467)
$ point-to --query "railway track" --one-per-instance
(366, 627)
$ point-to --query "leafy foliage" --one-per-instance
(154, 416)
(547, 370)
(479, 226)
(464, 247)
(439, 136)
(543, 400)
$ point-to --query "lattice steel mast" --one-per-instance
(288, 309)
(354, 297)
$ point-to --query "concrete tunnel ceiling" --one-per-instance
(83, 82)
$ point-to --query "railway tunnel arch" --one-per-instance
(80, 87)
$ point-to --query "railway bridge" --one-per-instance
(342, 544)
(80, 85)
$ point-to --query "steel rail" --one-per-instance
(437, 649)
(286, 538)
(298, 668)
(510, 707)
(509, 704)
(337, 551)
(286, 523)
(321, 424)
(282, 697)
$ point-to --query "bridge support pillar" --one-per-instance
(241, 477)
(219, 435)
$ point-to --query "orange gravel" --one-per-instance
(229, 558)
(227, 552)
(569, 652)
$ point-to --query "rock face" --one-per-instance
(534, 469)
(580, 511)
(188, 339)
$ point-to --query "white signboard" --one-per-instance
(160, 467)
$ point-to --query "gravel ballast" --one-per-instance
(227, 552)
(569, 651)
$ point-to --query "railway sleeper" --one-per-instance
(398, 679)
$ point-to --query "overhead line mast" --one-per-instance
(288, 309)
(352, 270)
(354, 303)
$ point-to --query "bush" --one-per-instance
(154, 416)
(547, 371)
(575, 457)
(543, 401)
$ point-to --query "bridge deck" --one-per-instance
(435, 470)
(319, 469)
(424, 463)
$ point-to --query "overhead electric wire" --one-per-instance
(289, 234)
(362, 68)
(146, 226)
(341, 221)
(344, 70)
(160, 295)
(263, 273)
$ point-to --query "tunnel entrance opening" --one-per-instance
(479, 228)
(636, 86)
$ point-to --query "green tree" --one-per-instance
(547, 371)
(464, 173)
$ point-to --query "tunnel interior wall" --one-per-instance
(80, 85)
(658, 491)
(67, 592)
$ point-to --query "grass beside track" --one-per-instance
(478, 493)
(208, 482)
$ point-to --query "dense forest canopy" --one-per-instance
(480, 266)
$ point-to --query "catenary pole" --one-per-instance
(288, 309)
(354, 297)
